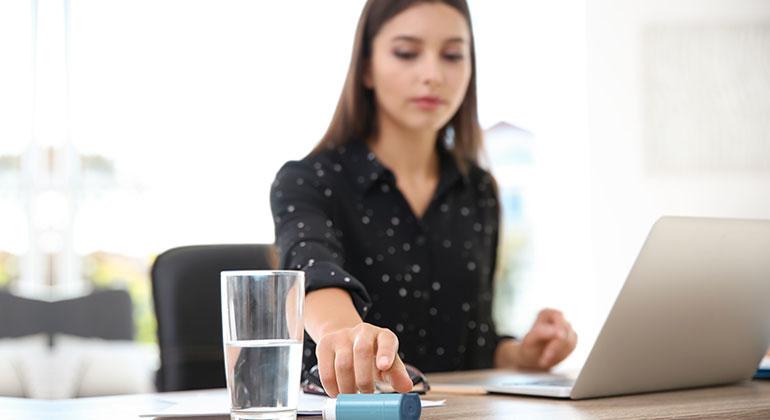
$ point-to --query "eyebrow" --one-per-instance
(458, 40)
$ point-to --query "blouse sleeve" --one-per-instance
(307, 235)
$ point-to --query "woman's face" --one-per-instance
(420, 67)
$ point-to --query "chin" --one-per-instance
(431, 124)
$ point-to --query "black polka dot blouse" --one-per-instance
(340, 218)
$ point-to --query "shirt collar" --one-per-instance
(449, 173)
(365, 169)
(363, 166)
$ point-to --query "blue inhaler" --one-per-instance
(373, 407)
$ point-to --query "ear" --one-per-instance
(366, 74)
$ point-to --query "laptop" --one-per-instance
(694, 311)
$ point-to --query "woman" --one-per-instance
(392, 219)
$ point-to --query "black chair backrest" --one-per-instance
(104, 314)
(185, 284)
(20, 316)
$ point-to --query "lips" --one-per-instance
(428, 102)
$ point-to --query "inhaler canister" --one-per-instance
(373, 407)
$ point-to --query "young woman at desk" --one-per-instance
(392, 219)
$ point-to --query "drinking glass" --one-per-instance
(262, 332)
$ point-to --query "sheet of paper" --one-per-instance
(217, 403)
(765, 364)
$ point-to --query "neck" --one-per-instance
(408, 153)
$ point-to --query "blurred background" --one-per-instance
(131, 127)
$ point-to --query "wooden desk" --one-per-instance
(749, 400)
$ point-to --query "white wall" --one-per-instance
(628, 192)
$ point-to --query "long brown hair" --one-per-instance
(355, 117)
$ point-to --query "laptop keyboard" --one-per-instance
(540, 382)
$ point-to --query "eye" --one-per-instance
(405, 55)
(453, 57)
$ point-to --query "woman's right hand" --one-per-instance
(351, 359)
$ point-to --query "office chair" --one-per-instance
(105, 314)
(20, 316)
(185, 284)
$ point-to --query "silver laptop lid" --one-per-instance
(694, 311)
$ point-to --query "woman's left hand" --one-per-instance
(550, 340)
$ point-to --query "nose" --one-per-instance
(432, 72)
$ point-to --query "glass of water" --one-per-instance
(262, 331)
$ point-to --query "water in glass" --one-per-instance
(263, 375)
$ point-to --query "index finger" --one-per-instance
(541, 332)
(387, 347)
(559, 348)
(552, 316)
(398, 377)
(389, 364)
